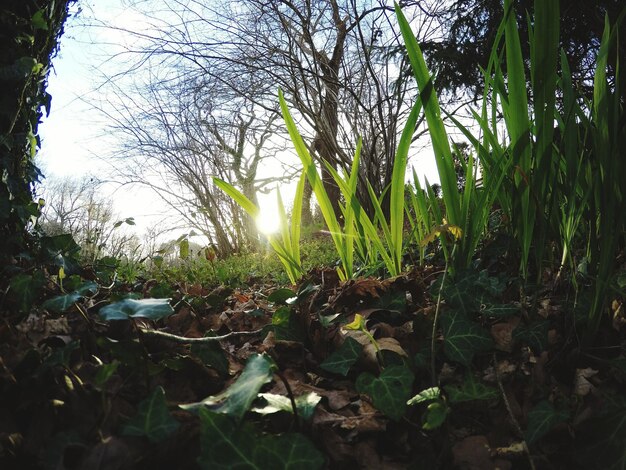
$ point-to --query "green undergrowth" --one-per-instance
(480, 328)
(237, 270)
(272, 398)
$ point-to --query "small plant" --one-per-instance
(359, 324)
(357, 224)
(288, 247)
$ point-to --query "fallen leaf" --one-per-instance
(110, 454)
(384, 344)
(472, 453)
(338, 399)
(582, 385)
(502, 334)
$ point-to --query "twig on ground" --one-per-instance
(206, 339)
(518, 428)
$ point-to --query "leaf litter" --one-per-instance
(275, 380)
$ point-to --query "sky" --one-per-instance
(74, 140)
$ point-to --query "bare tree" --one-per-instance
(176, 136)
(74, 206)
(205, 81)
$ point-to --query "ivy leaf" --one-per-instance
(154, 309)
(238, 398)
(285, 325)
(305, 404)
(86, 288)
(463, 338)
(61, 356)
(105, 372)
(491, 285)
(499, 310)
(470, 390)
(429, 394)
(64, 250)
(281, 296)
(152, 420)
(212, 355)
(541, 419)
(340, 361)
(61, 303)
(224, 445)
(435, 415)
(38, 21)
(389, 391)
(534, 335)
(25, 289)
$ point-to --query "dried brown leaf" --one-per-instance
(473, 453)
(582, 385)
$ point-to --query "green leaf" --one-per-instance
(161, 290)
(64, 250)
(463, 338)
(105, 372)
(389, 391)
(534, 335)
(26, 288)
(288, 250)
(470, 390)
(317, 186)
(435, 415)
(340, 361)
(224, 445)
(38, 21)
(305, 404)
(436, 127)
(154, 309)
(87, 288)
(471, 290)
(541, 419)
(286, 327)
(280, 296)
(61, 356)
(152, 420)
(211, 355)
(183, 248)
(237, 399)
(429, 394)
(61, 303)
(327, 320)
(499, 310)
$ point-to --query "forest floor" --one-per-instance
(510, 389)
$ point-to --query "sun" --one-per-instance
(268, 221)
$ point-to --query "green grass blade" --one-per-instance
(245, 203)
(296, 216)
(316, 184)
(439, 137)
(396, 205)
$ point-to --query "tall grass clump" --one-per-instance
(555, 186)
(561, 188)
(469, 208)
(377, 238)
